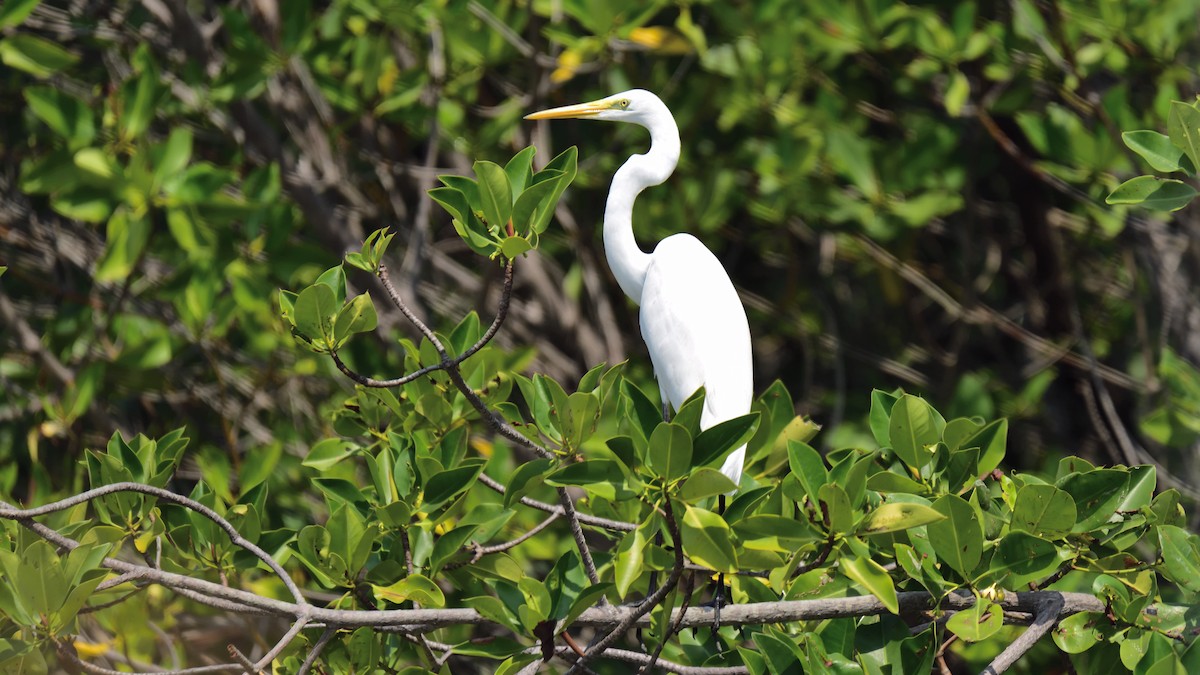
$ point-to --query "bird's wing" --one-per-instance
(695, 328)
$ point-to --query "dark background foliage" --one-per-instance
(907, 195)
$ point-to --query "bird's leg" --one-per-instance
(719, 593)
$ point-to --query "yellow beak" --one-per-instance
(572, 111)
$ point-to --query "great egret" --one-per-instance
(692, 320)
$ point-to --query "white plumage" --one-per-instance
(692, 320)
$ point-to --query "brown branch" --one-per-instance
(639, 612)
(586, 519)
(1049, 611)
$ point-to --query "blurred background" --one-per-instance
(906, 195)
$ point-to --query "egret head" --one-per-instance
(636, 105)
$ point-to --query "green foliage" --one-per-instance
(163, 195)
(1177, 152)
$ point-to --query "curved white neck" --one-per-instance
(628, 262)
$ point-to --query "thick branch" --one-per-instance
(1048, 613)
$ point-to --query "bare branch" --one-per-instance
(1050, 609)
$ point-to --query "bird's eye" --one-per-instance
(623, 103)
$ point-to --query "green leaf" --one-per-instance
(837, 504)
(1157, 149)
(957, 540)
(628, 561)
(717, 440)
(530, 204)
(703, 483)
(881, 411)
(13, 12)
(446, 484)
(913, 430)
(448, 545)
(871, 576)
(1097, 494)
(888, 481)
(358, 316)
(1027, 557)
(1043, 509)
(519, 169)
(140, 97)
(808, 467)
(511, 247)
(566, 162)
(896, 516)
(768, 532)
(413, 587)
(328, 452)
(977, 623)
(1181, 556)
(495, 195)
(602, 477)
(527, 477)
(670, 453)
(66, 115)
(708, 540)
(957, 93)
(1077, 633)
(34, 55)
(126, 239)
(992, 441)
(39, 582)
(315, 310)
(176, 153)
(1152, 192)
(494, 609)
(1183, 127)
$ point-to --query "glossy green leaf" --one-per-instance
(1097, 495)
(808, 467)
(871, 576)
(705, 482)
(1180, 555)
(769, 532)
(511, 247)
(315, 310)
(565, 162)
(717, 440)
(1157, 149)
(450, 482)
(978, 623)
(708, 540)
(1183, 128)
(495, 195)
(958, 540)
(896, 516)
(357, 316)
(1044, 509)
(992, 441)
(1077, 633)
(1152, 192)
(519, 169)
(670, 453)
(913, 431)
(530, 204)
(602, 477)
(527, 477)
(628, 560)
(835, 503)
(414, 587)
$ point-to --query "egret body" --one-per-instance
(692, 320)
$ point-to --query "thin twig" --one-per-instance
(648, 603)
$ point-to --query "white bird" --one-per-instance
(692, 320)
